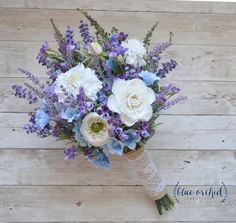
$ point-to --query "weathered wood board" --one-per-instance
(189, 28)
(195, 145)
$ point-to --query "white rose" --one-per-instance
(74, 79)
(135, 53)
(132, 99)
(95, 129)
(96, 48)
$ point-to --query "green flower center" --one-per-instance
(72, 78)
(97, 127)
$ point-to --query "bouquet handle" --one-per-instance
(151, 180)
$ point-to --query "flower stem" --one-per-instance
(165, 202)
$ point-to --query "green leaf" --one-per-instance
(59, 37)
(147, 39)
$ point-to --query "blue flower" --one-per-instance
(148, 77)
(131, 139)
(41, 118)
(110, 63)
(70, 114)
(115, 147)
(78, 136)
(99, 159)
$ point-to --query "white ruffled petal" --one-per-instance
(127, 120)
(112, 104)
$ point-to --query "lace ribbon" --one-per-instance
(148, 173)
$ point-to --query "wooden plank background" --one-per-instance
(195, 145)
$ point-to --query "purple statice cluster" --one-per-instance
(104, 92)
(113, 46)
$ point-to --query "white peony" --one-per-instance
(74, 79)
(136, 52)
(132, 99)
(95, 129)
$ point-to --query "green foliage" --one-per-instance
(147, 39)
(114, 30)
(93, 22)
(58, 36)
(66, 132)
(165, 202)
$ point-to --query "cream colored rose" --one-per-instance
(95, 129)
(132, 99)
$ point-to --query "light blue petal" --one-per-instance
(99, 159)
(131, 145)
(131, 141)
(41, 118)
(78, 136)
(115, 147)
(70, 114)
(148, 77)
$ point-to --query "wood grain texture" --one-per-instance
(188, 28)
(194, 146)
(204, 98)
(211, 63)
(134, 5)
(47, 167)
(176, 132)
(104, 203)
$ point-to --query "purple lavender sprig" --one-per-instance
(31, 77)
(159, 48)
(173, 102)
(84, 33)
(24, 93)
(166, 68)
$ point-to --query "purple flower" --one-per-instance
(32, 127)
(159, 48)
(25, 93)
(113, 46)
(167, 90)
(29, 75)
(84, 32)
(173, 102)
(166, 68)
(70, 153)
(70, 44)
(102, 98)
(42, 55)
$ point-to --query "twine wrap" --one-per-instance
(148, 173)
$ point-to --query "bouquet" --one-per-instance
(103, 97)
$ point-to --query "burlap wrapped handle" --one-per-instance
(148, 173)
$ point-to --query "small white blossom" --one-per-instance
(136, 52)
(96, 48)
(74, 79)
(95, 129)
(132, 99)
